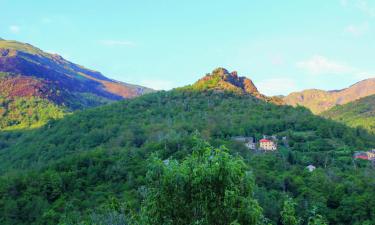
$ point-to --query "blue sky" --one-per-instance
(283, 46)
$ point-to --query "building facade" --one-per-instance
(267, 145)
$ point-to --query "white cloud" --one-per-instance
(364, 75)
(366, 7)
(14, 29)
(321, 65)
(117, 43)
(157, 84)
(276, 86)
(357, 30)
(344, 3)
(277, 60)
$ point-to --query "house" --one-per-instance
(249, 141)
(267, 145)
(370, 155)
(310, 168)
(251, 145)
(361, 155)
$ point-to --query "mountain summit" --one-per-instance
(222, 80)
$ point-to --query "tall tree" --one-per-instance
(288, 214)
(208, 187)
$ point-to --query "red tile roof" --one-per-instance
(264, 140)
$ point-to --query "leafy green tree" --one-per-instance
(288, 214)
(208, 187)
(316, 219)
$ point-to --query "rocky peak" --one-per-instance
(222, 80)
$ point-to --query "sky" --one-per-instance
(283, 46)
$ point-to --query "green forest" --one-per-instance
(169, 158)
(31, 112)
(360, 113)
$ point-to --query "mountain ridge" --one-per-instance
(27, 73)
(319, 101)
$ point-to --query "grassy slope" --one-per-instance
(360, 113)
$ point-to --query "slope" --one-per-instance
(360, 113)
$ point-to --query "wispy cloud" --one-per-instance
(364, 75)
(366, 7)
(344, 3)
(118, 43)
(277, 60)
(277, 86)
(14, 29)
(321, 65)
(157, 84)
(357, 30)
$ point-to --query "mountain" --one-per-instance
(95, 164)
(221, 80)
(360, 113)
(319, 101)
(31, 79)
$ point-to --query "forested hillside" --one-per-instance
(92, 165)
(360, 113)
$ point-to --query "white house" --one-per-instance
(310, 168)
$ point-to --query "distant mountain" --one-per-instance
(31, 78)
(319, 101)
(221, 80)
(360, 113)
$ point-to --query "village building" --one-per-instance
(267, 145)
(251, 145)
(310, 168)
(248, 141)
(370, 155)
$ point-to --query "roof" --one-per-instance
(361, 157)
(264, 140)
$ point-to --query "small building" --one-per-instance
(248, 141)
(267, 145)
(370, 155)
(310, 168)
(251, 145)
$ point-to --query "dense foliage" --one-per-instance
(360, 113)
(92, 165)
(208, 187)
(21, 113)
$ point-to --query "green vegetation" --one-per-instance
(208, 187)
(360, 113)
(108, 164)
(21, 113)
